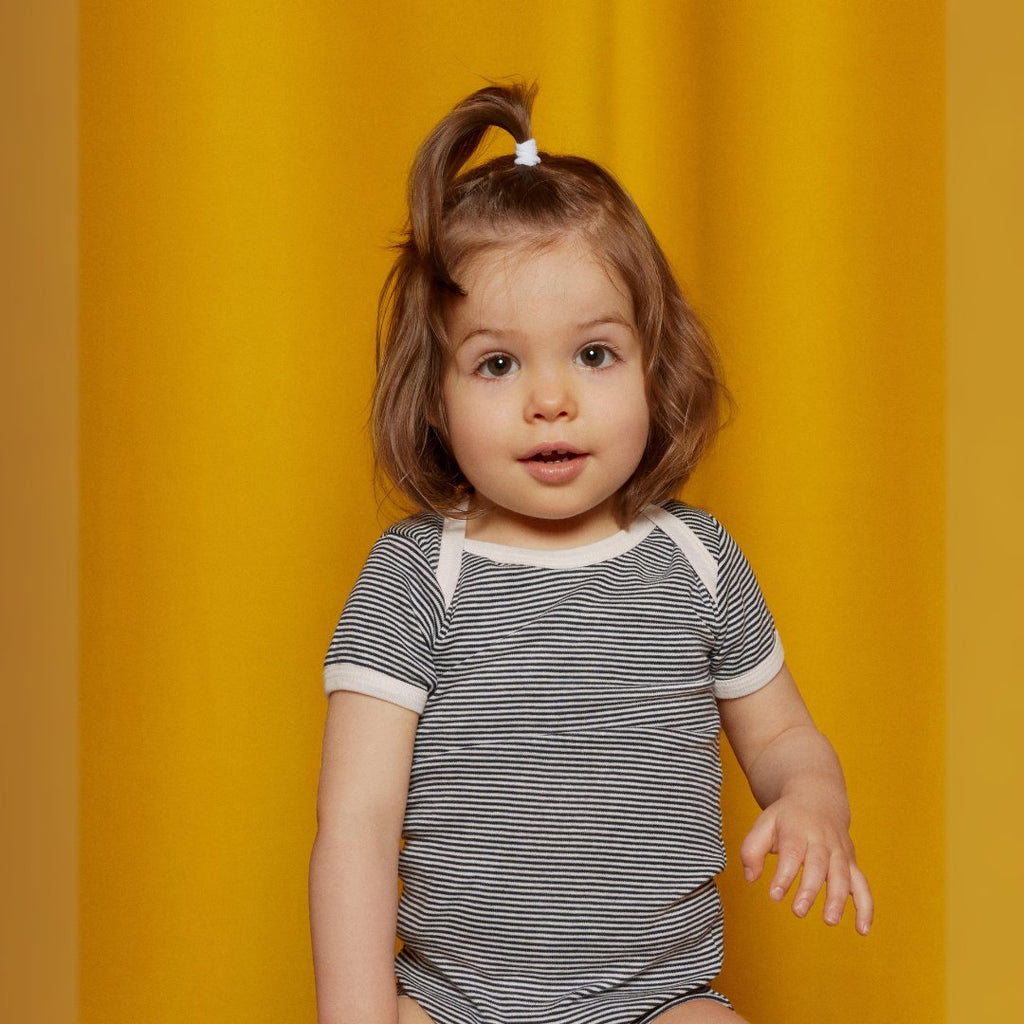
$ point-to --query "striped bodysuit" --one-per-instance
(563, 828)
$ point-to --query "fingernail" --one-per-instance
(831, 917)
(863, 928)
(777, 892)
(800, 907)
(748, 874)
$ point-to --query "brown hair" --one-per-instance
(452, 218)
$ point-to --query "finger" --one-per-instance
(791, 857)
(837, 889)
(758, 844)
(812, 878)
(863, 901)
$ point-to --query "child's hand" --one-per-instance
(795, 776)
(807, 830)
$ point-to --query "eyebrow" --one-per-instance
(501, 334)
(605, 318)
(492, 332)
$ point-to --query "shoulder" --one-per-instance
(422, 530)
(407, 549)
(418, 535)
(707, 528)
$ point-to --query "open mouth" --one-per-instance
(553, 455)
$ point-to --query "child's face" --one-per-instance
(544, 393)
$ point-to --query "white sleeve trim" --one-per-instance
(346, 676)
(753, 679)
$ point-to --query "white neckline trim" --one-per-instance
(564, 558)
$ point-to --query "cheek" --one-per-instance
(456, 410)
(450, 407)
(641, 439)
(636, 418)
(470, 423)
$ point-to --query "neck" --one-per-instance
(503, 526)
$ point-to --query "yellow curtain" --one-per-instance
(242, 175)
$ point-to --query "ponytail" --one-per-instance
(446, 151)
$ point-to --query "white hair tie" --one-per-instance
(526, 153)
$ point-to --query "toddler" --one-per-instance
(529, 679)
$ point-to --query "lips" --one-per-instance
(554, 464)
(553, 453)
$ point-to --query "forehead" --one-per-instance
(507, 284)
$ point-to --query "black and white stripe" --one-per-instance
(563, 827)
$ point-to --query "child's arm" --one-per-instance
(795, 776)
(353, 877)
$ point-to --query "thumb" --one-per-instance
(759, 843)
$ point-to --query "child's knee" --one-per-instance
(700, 1011)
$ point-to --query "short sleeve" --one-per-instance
(748, 653)
(383, 645)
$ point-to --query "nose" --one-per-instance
(551, 396)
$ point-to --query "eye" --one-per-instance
(498, 365)
(595, 357)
